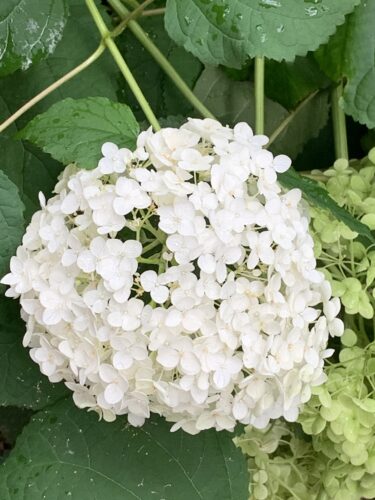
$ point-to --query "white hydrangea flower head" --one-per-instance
(178, 279)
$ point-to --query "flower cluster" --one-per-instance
(338, 461)
(349, 262)
(332, 454)
(178, 279)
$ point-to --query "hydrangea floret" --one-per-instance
(330, 452)
(180, 279)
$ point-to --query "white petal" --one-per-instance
(109, 149)
(132, 248)
(168, 357)
(70, 204)
(205, 421)
(113, 394)
(240, 410)
(190, 364)
(86, 261)
(221, 378)
(122, 206)
(281, 163)
(122, 361)
(207, 263)
(149, 280)
(160, 294)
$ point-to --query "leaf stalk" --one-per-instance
(87, 62)
(123, 67)
(159, 57)
(339, 123)
(259, 95)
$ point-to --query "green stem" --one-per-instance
(29, 104)
(150, 246)
(132, 4)
(259, 95)
(155, 232)
(154, 12)
(284, 124)
(163, 62)
(133, 15)
(339, 123)
(120, 61)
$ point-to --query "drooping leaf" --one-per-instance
(73, 130)
(350, 54)
(229, 31)
(163, 96)
(21, 383)
(68, 453)
(29, 31)
(11, 220)
(79, 41)
(232, 102)
(29, 168)
(318, 196)
(303, 124)
(288, 83)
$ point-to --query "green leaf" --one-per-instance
(350, 55)
(29, 31)
(301, 125)
(232, 102)
(288, 83)
(163, 96)
(318, 196)
(21, 383)
(79, 41)
(229, 31)
(29, 168)
(12, 421)
(11, 220)
(74, 130)
(67, 453)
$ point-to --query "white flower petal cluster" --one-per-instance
(178, 279)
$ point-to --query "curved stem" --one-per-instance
(120, 61)
(132, 15)
(94, 56)
(163, 62)
(75, 71)
(259, 95)
(339, 123)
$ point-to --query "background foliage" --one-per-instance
(310, 46)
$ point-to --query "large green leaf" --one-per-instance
(29, 31)
(301, 125)
(229, 31)
(290, 82)
(79, 41)
(350, 54)
(318, 196)
(232, 102)
(11, 220)
(73, 130)
(163, 96)
(21, 383)
(67, 453)
(29, 168)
